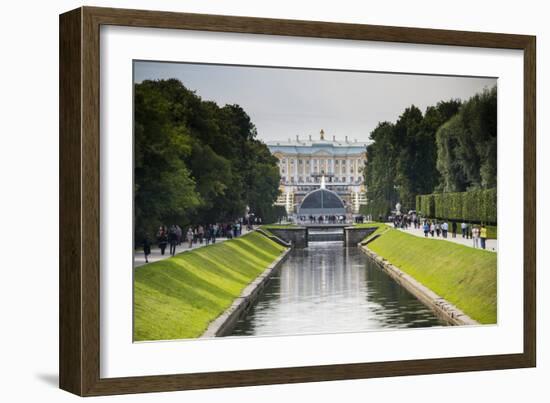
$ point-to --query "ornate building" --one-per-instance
(303, 162)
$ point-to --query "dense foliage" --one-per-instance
(196, 162)
(467, 145)
(472, 206)
(402, 158)
(451, 148)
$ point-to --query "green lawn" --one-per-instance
(464, 276)
(178, 297)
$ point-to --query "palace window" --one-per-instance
(299, 161)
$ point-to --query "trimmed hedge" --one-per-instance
(474, 206)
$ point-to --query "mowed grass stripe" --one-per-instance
(178, 297)
(464, 276)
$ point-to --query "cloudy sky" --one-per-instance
(283, 103)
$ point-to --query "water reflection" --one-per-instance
(327, 288)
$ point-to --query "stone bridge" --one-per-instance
(299, 237)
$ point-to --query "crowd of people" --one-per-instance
(322, 219)
(174, 235)
(435, 228)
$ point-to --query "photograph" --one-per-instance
(275, 201)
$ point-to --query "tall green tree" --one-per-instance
(164, 189)
(407, 129)
(196, 162)
(380, 171)
(467, 145)
(401, 161)
(451, 148)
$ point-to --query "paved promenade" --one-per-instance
(490, 244)
(155, 256)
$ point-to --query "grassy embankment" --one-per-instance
(464, 276)
(178, 297)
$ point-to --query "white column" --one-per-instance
(288, 171)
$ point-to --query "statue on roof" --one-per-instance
(322, 134)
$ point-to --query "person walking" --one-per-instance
(179, 234)
(173, 239)
(190, 237)
(426, 228)
(483, 236)
(208, 234)
(438, 229)
(464, 228)
(453, 227)
(214, 233)
(201, 233)
(162, 239)
(146, 248)
(445, 229)
(432, 229)
(475, 236)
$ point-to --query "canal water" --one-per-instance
(327, 288)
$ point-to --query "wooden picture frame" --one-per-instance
(79, 346)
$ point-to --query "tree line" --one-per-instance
(450, 148)
(195, 161)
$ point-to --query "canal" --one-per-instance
(326, 288)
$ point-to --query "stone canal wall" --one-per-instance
(297, 236)
(354, 235)
(224, 324)
(274, 238)
(439, 305)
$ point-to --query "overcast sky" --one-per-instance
(283, 103)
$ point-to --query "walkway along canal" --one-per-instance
(327, 288)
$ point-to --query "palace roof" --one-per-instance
(317, 146)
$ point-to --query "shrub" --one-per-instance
(473, 206)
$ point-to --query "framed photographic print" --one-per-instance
(249, 201)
